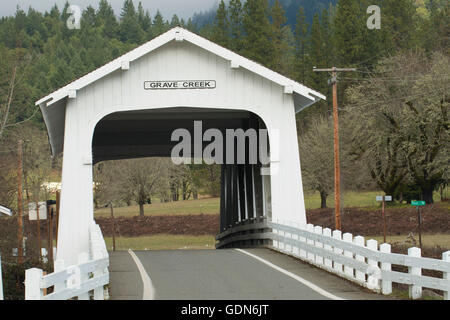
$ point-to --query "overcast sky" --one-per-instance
(183, 8)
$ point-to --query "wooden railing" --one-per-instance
(85, 280)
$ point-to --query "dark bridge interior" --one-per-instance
(245, 193)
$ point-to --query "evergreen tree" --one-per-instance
(220, 28)
(54, 12)
(175, 22)
(191, 26)
(301, 46)
(316, 50)
(159, 26)
(107, 19)
(257, 43)
(235, 18)
(88, 18)
(130, 30)
(398, 24)
(145, 21)
(350, 26)
(327, 40)
(279, 40)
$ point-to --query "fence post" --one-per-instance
(310, 228)
(275, 243)
(83, 258)
(33, 289)
(372, 281)
(287, 235)
(59, 266)
(295, 249)
(386, 286)
(328, 262)
(415, 291)
(338, 236)
(302, 239)
(446, 275)
(360, 276)
(1, 278)
(319, 259)
(348, 237)
(98, 292)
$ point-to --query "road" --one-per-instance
(230, 274)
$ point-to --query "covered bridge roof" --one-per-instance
(181, 34)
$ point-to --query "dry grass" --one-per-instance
(163, 242)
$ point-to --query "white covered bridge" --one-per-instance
(131, 107)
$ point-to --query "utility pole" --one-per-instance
(20, 203)
(337, 168)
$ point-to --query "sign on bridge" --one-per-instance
(183, 84)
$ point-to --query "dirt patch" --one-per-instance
(365, 222)
(202, 224)
(358, 221)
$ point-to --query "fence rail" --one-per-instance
(364, 262)
(83, 280)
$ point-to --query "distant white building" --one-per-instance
(52, 187)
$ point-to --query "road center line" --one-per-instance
(294, 276)
(149, 290)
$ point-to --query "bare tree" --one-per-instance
(141, 176)
(14, 67)
(400, 121)
(316, 151)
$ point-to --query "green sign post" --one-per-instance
(419, 204)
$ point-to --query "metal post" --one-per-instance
(50, 234)
(20, 204)
(1, 278)
(58, 199)
(420, 226)
(38, 230)
(384, 218)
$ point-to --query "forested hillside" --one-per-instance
(291, 7)
(394, 108)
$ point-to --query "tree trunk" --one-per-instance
(141, 209)
(427, 195)
(323, 199)
(113, 227)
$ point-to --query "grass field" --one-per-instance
(201, 206)
(212, 205)
(162, 242)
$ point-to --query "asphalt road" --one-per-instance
(251, 274)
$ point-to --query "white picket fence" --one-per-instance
(358, 260)
(84, 280)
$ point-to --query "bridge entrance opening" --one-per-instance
(202, 189)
